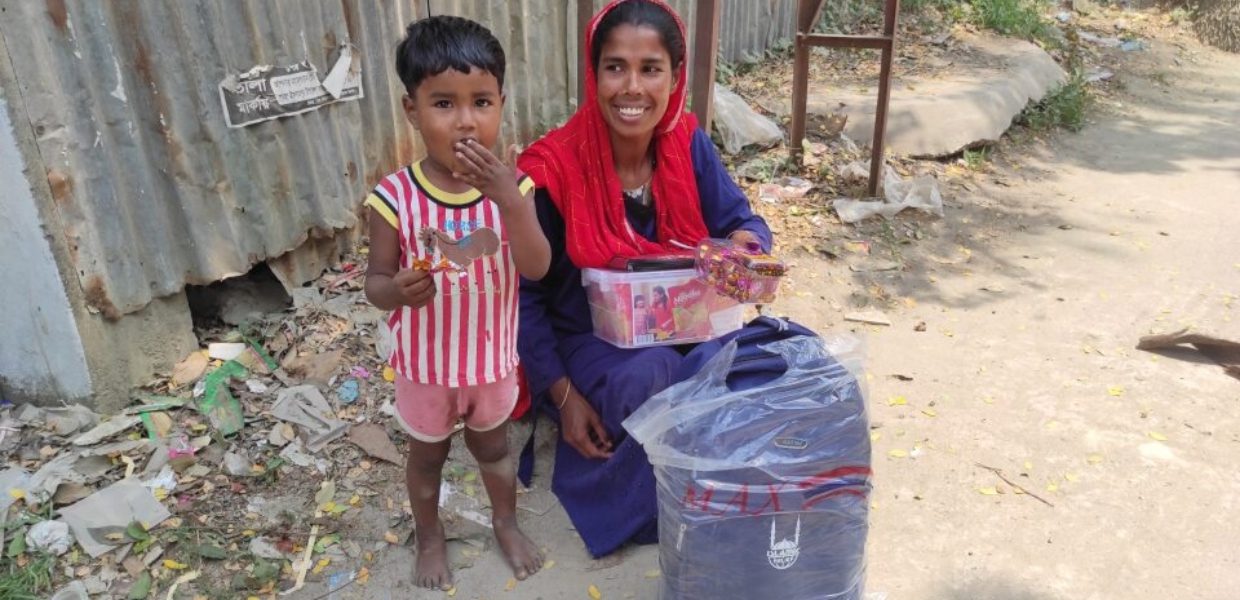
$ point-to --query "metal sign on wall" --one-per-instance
(266, 92)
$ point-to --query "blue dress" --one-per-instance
(611, 502)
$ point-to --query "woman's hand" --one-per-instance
(580, 424)
(746, 239)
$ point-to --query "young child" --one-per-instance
(449, 236)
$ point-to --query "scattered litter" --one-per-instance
(1105, 42)
(225, 351)
(1132, 46)
(217, 402)
(70, 419)
(280, 435)
(111, 510)
(348, 391)
(317, 368)
(855, 172)
(739, 126)
(374, 440)
(11, 480)
(921, 193)
(191, 369)
(106, 430)
(238, 465)
(260, 547)
(1096, 75)
(306, 407)
(295, 453)
(360, 372)
(52, 537)
(255, 386)
(75, 590)
(872, 317)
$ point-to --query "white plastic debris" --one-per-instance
(739, 125)
(921, 193)
(52, 537)
(225, 350)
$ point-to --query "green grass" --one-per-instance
(1017, 18)
(976, 159)
(1064, 107)
(32, 582)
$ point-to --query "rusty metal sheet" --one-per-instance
(155, 191)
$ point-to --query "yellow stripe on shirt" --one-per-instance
(525, 185)
(378, 205)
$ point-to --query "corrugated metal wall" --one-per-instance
(156, 192)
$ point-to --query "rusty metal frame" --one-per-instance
(705, 56)
(808, 12)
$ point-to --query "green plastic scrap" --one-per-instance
(217, 402)
(271, 363)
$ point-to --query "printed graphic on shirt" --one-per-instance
(459, 252)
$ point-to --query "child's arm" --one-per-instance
(498, 182)
(388, 287)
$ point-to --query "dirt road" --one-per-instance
(1033, 290)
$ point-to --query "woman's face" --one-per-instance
(635, 80)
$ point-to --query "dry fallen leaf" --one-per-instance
(929, 412)
(988, 491)
(1116, 390)
(1158, 437)
(173, 565)
(319, 566)
(511, 585)
(548, 564)
(390, 538)
(363, 575)
(1052, 487)
(875, 436)
(1071, 477)
(594, 593)
(897, 454)
(389, 375)
(897, 401)
(1094, 459)
(653, 574)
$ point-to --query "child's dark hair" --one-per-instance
(435, 44)
(639, 13)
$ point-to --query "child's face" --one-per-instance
(453, 106)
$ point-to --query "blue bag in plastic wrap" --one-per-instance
(763, 492)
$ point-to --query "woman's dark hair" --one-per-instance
(639, 13)
(435, 44)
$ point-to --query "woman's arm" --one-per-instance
(538, 345)
(725, 207)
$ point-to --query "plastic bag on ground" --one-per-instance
(767, 488)
(921, 193)
(739, 126)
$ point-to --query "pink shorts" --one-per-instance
(429, 413)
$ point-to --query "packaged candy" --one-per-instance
(743, 274)
(652, 308)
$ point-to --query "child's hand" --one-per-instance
(415, 286)
(486, 173)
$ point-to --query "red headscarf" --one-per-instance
(574, 164)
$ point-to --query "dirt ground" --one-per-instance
(1033, 291)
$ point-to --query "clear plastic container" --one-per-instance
(656, 308)
(745, 275)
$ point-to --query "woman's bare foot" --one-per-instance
(431, 566)
(522, 555)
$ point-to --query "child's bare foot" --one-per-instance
(522, 555)
(431, 567)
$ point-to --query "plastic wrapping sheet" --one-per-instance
(763, 491)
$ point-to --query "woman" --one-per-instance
(629, 174)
